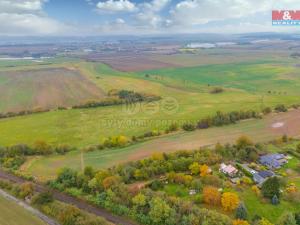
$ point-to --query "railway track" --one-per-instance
(81, 204)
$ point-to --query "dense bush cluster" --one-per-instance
(244, 150)
(116, 188)
(70, 215)
(22, 113)
(63, 213)
(281, 108)
(105, 188)
(118, 98)
(217, 90)
(94, 104)
(221, 118)
(121, 141)
(109, 189)
(14, 156)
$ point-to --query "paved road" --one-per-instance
(71, 200)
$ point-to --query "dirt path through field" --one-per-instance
(259, 130)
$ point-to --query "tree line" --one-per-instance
(111, 188)
(117, 98)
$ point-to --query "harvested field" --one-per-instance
(45, 88)
(132, 63)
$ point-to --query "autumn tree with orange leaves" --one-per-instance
(230, 201)
(240, 222)
(204, 170)
(211, 196)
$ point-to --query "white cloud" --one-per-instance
(117, 6)
(26, 17)
(149, 15)
(156, 5)
(29, 24)
(194, 12)
(120, 21)
(19, 6)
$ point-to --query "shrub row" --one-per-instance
(121, 97)
(65, 214)
(220, 119)
(118, 98)
(22, 113)
(14, 156)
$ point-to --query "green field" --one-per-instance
(248, 85)
(88, 126)
(259, 130)
(13, 214)
(220, 56)
(253, 76)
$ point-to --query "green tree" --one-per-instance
(42, 148)
(267, 110)
(188, 127)
(298, 148)
(280, 108)
(275, 200)
(241, 212)
(195, 168)
(67, 177)
(297, 217)
(89, 172)
(26, 189)
(271, 187)
(264, 221)
(43, 198)
(160, 212)
(197, 184)
(139, 201)
(287, 219)
(243, 142)
(285, 138)
(68, 215)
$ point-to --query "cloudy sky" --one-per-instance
(133, 17)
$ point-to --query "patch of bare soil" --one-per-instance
(45, 88)
(131, 63)
(285, 123)
(272, 126)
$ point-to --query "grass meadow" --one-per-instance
(248, 85)
(45, 168)
(259, 76)
(83, 127)
(13, 214)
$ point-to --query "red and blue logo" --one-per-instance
(286, 17)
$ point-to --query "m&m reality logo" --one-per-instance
(286, 17)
